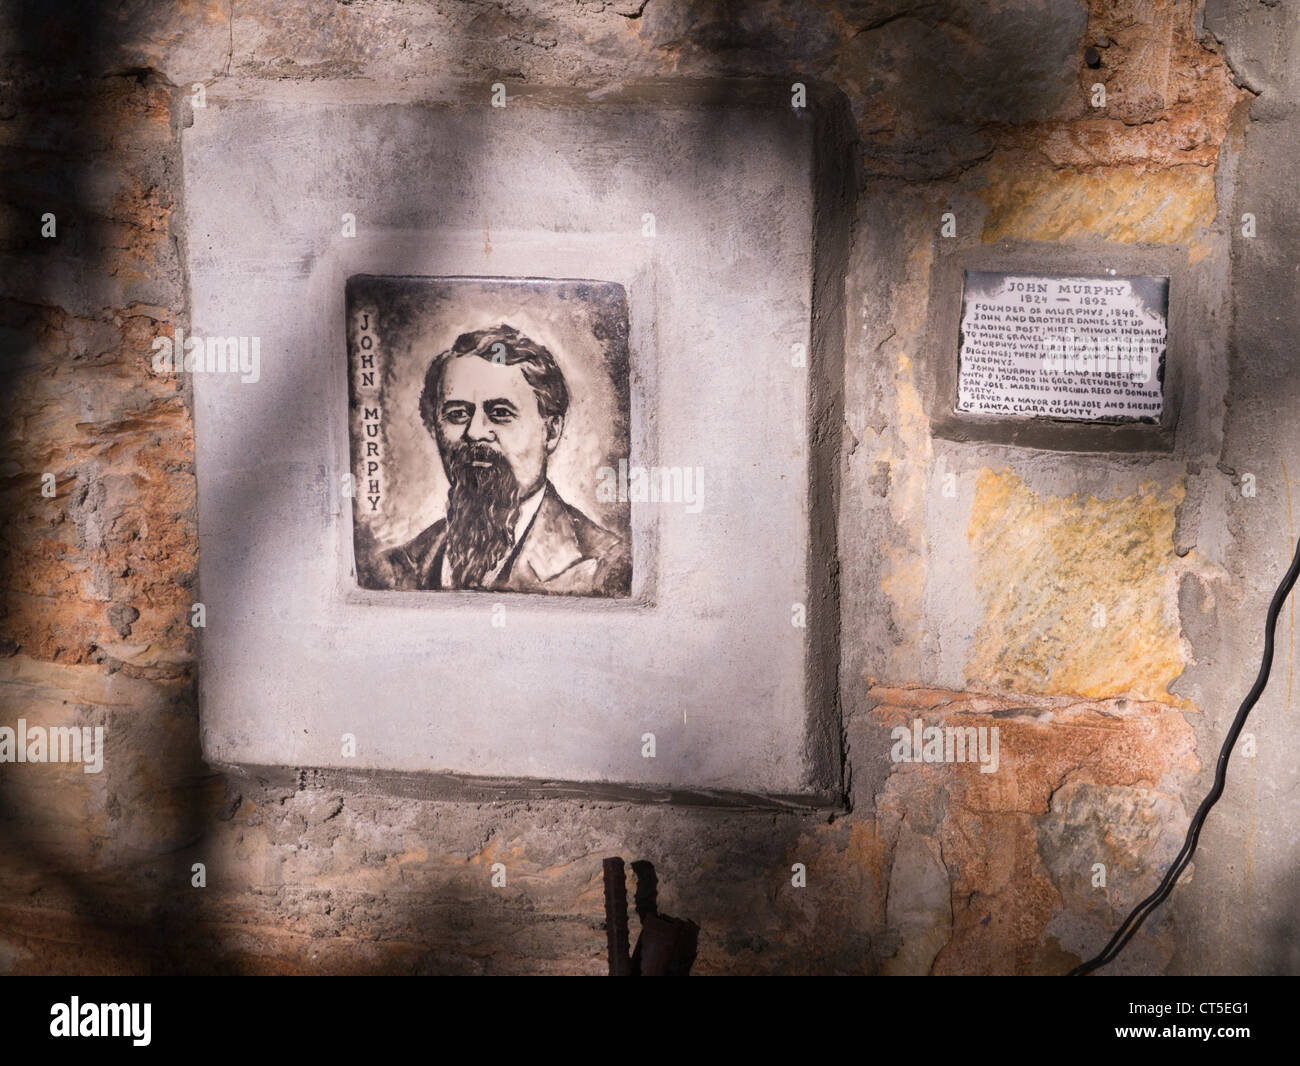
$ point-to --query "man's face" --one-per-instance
(493, 406)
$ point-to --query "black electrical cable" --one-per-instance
(1143, 910)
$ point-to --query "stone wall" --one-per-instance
(969, 607)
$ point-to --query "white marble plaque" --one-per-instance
(1087, 349)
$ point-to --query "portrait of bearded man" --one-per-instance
(495, 403)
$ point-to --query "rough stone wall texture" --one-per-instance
(957, 609)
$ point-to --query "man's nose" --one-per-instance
(479, 428)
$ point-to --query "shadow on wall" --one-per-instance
(1282, 936)
(78, 894)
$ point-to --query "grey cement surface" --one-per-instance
(1244, 899)
(706, 657)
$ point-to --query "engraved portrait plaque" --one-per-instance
(487, 416)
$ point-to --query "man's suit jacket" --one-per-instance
(562, 552)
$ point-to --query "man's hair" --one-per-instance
(539, 367)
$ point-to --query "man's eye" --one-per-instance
(456, 415)
(501, 414)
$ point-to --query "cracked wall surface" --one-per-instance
(970, 573)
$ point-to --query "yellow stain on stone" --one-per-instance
(912, 428)
(1074, 591)
(417, 854)
(903, 581)
(903, 577)
(1199, 250)
(1123, 204)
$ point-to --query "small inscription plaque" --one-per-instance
(1089, 349)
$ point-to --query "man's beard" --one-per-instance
(482, 508)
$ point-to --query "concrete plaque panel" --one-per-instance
(659, 249)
